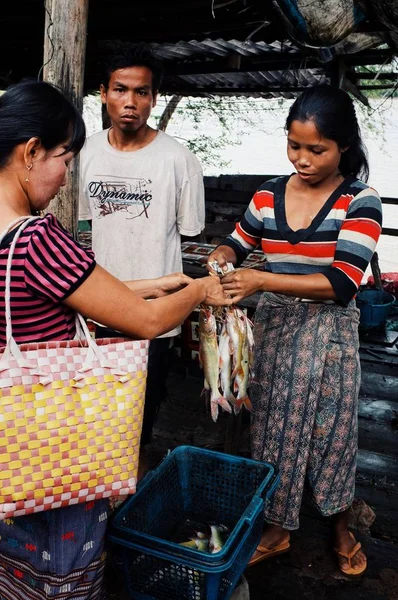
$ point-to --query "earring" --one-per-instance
(29, 168)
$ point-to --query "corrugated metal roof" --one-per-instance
(260, 69)
(253, 83)
(212, 42)
(220, 48)
(229, 67)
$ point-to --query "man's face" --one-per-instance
(129, 98)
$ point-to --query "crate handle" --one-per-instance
(255, 506)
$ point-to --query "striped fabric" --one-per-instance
(48, 265)
(339, 242)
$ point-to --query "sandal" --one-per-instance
(351, 571)
(262, 553)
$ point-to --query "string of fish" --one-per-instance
(226, 346)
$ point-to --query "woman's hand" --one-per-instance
(214, 291)
(222, 255)
(171, 283)
(242, 283)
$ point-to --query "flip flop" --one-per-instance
(263, 553)
(351, 571)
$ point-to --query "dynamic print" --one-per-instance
(129, 194)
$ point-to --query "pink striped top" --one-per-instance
(48, 265)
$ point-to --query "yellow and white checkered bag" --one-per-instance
(70, 419)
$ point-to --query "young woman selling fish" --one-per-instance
(318, 229)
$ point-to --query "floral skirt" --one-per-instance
(305, 402)
(54, 555)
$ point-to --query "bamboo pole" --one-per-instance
(64, 59)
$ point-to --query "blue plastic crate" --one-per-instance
(200, 485)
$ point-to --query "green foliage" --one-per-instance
(228, 118)
(384, 76)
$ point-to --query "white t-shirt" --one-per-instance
(140, 203)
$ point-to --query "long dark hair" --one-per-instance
(38, 109)
(332, 110)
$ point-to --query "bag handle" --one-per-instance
(12, 349)
(25, 223)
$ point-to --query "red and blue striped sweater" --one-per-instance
(339, 243)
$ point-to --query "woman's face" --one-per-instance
(47, 175)
(314, 157)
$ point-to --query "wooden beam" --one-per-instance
(64, 58)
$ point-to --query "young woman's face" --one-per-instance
(47, 176)
(314, 157)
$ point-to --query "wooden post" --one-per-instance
(64, 59)
(374, 264)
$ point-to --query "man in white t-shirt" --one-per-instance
(142, 191)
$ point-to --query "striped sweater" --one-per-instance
(339, 243)
(47, 266)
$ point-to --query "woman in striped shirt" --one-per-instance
(59, 554)
(318, 229)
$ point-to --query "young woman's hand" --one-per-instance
(242, 283)
(171, 283)
(222, 255)
(215, 295)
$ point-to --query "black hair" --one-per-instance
(38, 109)
(133, 55)
(333, 113)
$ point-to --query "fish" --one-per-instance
(236, 331)
(250, 339)
(242, 376)
(209, 357)
(202, 544)
(240, 331)
(188, 544)
(197, 543)
(225, 349)
(201, 535)
(217, 542)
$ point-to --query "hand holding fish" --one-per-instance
(242, 283)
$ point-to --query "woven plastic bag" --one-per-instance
(70, 418)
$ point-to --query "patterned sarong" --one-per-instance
(305, 402)
(54, 555)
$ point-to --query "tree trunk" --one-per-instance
(168, 112)
(64, 60)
